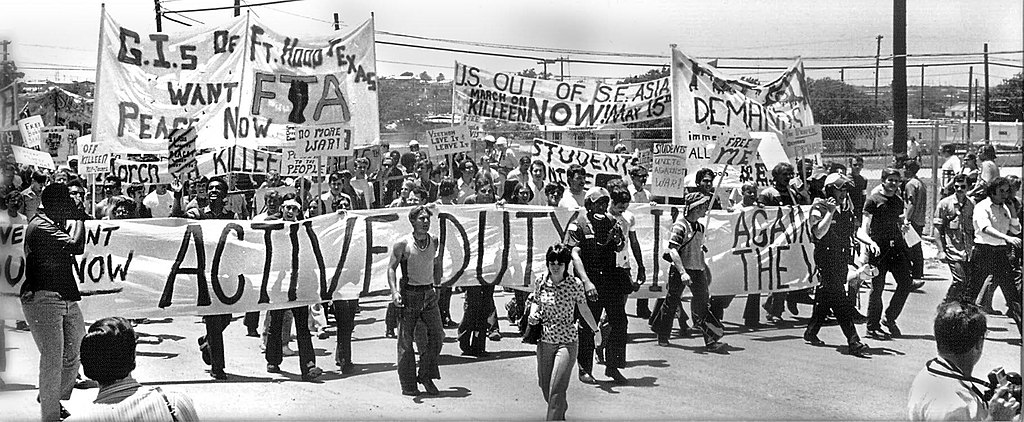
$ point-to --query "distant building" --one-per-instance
(961, 111)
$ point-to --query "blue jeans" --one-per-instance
(57, 328)
(892, 257)
(419, 304)
(554, 369)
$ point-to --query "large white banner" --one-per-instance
(239, 82)
(481, 93)
(165, 267)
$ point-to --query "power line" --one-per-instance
(175, 20)
(185, 16)
(208, 9)
(304, 16)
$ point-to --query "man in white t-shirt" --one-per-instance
(159, 201)
(577, 180)
(361, 183)
(950, 167)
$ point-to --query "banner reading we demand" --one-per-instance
(710, 107)
(507, 96)
(238, 82)
(167, 267)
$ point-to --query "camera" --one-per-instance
(998, 378)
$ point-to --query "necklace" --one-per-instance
(425, 244)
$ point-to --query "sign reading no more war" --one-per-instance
(449, 140)
(319, 141)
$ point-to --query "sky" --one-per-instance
(57, 39)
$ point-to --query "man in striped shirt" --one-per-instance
(108, 357)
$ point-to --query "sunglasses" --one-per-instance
(960, 187)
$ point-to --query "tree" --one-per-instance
(440, 77)
(425, 76)
(660, 127)
(836, 102)
(1007, 100)
(407, 74)
(532, 73)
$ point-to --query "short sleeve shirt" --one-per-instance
(987, 214)
(627, 221)
(955, 218)
(885, 214)
(558, 308)
(771, 196)
(914, 193)
(688, 239)
(934, 397)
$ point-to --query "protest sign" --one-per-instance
(31, 129)
(293, 164)
(145, 172)
(597, 164)
(238, 159)
(68, 146)
(52, 139)
(802, 141)
(449, 140)
(168, 267)
(735, 151)
(481, 93)
(31, 157)
(668, 172)
(320, 141)
(93, 157)
(181, 151)
(239, 83)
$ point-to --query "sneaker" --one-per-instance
(312, 373)
(273, 369)
(587, 378)
(858, 349)
(894, 331)
(494, 335)
(878, 333)
(615, 375)
(813, 340)
(714, 347)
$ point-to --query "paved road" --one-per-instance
(767, 374)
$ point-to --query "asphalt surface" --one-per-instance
(765, 374)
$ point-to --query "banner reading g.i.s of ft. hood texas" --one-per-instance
(238, 82)
(510, 97)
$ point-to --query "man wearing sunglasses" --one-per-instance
(955, 237)
(881, 230)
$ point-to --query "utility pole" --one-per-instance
(842, 77)
(561, 73)
(987, 117)
(238, 8)
(899, 77)
(922, 92)
(878, 52)
(5, 77)
(337, 22)
(159, 25)
(970, 94)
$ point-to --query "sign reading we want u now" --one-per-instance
(167, 267)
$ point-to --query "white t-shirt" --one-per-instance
(363, 185)
(159, 205)
(572, 201)
(627, 221)
(950, 169)
(935, 397)
(7, 220)
(539, 197)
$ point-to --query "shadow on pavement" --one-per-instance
(18, 387)
(653, 363)
(452, 393)
(164, 355)
(642, 382)
(146, 338)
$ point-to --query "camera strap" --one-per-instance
(956, 374)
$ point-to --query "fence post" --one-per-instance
(936, 181)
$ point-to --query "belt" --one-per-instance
(418, 287)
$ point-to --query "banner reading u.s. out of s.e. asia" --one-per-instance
(481, 93)
(239, 82)
(166, 267)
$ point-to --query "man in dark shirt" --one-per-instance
(212, 344)
(780, 194)
(860, 187)
(882, 231)
(49, 296)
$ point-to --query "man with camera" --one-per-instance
(945, 388)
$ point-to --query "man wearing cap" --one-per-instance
(574, 196)
(505, 158)
(596, 239)
(881, 232)
(686, 251)
(410, 158)
(832, 226)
